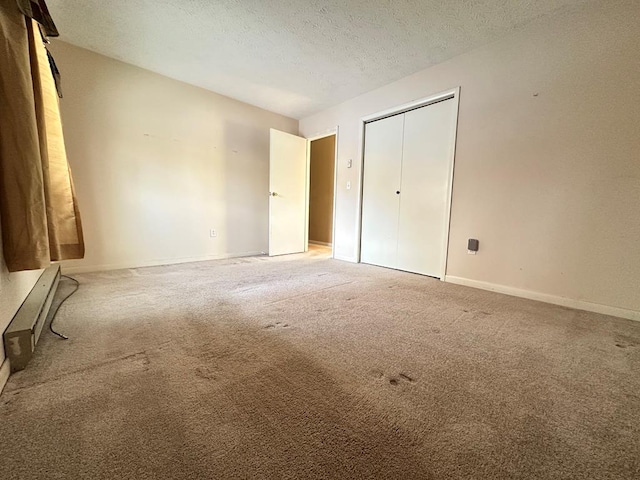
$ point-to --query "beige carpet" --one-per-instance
(304, 367)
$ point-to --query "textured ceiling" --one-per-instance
(290, 56)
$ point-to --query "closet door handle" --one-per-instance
(398, 192)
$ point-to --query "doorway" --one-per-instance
(322, 170)
(302, 191)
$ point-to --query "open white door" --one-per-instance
(288, 200)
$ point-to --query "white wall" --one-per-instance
(158, 163)
(14, 288)
(547, 171)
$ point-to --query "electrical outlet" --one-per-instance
(213, 233)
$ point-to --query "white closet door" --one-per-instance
(424, 203)
(380, 202)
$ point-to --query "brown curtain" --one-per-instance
(38, 208)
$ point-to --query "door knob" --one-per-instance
(398, 192)
(273, 194)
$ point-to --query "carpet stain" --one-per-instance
(626, 342)
(401, 378)
(276, 325)
(407, 378)
(205, 373)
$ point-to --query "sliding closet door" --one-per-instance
(380, 202)
(424, 204)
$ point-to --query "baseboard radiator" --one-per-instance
(22, 334)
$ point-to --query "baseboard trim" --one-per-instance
(5, 371)
(70, 269)
(547, 298)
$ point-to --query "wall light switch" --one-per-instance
(350, 163)
(348, 185)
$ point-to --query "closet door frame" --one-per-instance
(451, 94)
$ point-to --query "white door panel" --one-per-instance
(380, 202)
(288, 202)
(424, 201)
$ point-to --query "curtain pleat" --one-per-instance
(38, 207)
